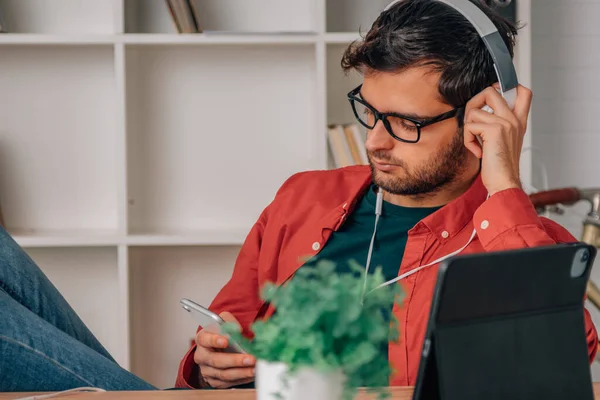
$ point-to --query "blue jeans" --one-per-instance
(44, 345)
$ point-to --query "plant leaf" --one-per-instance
(322, 321)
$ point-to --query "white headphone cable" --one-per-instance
(439, 260)
(65, 392)
(378, 209)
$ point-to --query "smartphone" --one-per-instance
(209, 321)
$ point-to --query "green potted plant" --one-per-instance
(325, 339)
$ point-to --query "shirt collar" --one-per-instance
(445, 223)
(356, 189)
(454, 216)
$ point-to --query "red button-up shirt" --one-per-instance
(311, 205)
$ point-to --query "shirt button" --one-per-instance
(316, 246)
(345, 205)
(445, 234)
(485, 224)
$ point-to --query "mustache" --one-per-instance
(385, 157)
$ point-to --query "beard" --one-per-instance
(431, 176)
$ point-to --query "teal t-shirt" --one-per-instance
(352, 240)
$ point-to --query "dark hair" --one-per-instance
(428, 32)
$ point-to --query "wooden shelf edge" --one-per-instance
(26, 241)
(217, 38)
(341, 37)
(207, 238)
(55, 39)
(156, 39)
(94, 239)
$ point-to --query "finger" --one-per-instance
(215, 359)
(480, 116)
(217, 384)
(483, 129)
(211, 340)
(473, 130)
(492, 98)
(523, 104)
(228, 360)
(201, 355)
(228, 375)
(472, 144)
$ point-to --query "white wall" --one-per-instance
(566, 107)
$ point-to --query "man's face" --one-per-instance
(416, 169)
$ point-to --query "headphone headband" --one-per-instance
(503, 64)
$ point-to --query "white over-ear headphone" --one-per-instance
(503, 63)
(507, 77)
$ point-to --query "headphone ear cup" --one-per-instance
(503, 62)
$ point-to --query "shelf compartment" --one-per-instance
(88, 279)
(159, 278)
(353, 15)
(153, 16)
(191, 167)
(59, 16)
(58, 138)
(339, 84)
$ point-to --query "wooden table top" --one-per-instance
(398, 393)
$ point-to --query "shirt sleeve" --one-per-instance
(508, 220)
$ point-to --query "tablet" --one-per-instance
(509, 325)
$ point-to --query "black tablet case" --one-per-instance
(508, 325)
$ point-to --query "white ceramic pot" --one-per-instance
(304, 384)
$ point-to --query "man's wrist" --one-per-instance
(514, 184)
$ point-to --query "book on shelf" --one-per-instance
(1, 218)
(347, 145)
(185, 16)
(2, 25)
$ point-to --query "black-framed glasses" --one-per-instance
(400, 127)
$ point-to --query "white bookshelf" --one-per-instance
(134, 160)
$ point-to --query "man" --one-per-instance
(421, 60)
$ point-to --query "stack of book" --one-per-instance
(2, 26)
(1, 218)
(347, 145)
(185, 16)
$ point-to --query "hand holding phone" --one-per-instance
(210, 322)
(222, 363)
